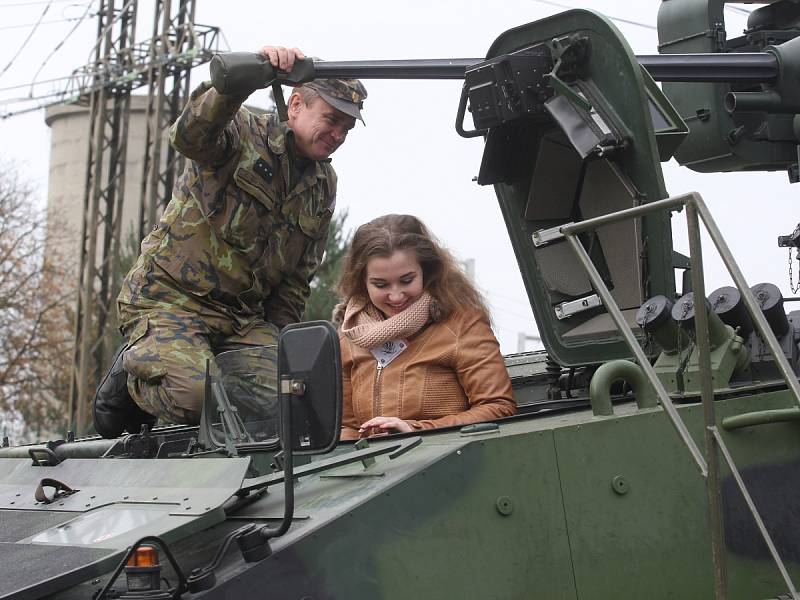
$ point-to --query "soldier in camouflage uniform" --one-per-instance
(230, 262)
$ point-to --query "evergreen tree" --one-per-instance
(323, 288)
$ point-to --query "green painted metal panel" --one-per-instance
(719, 140)
(439, 533)
(653, 540)
(634, 544)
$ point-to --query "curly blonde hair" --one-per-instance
(441, 276)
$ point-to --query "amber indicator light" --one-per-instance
(144, 556)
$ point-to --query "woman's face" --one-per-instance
(394, 283)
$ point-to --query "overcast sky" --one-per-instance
(408, 158)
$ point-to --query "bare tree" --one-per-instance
(35, 314)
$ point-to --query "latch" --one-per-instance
(542, 237)
(573, 307)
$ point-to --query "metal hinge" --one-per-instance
(719, 36)
(295, 387)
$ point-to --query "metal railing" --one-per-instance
(714, 444)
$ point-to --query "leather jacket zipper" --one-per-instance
(376, 392)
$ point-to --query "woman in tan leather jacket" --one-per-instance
(417, 348)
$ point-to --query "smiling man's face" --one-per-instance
(319, 129)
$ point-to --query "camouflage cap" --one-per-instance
(346, 95)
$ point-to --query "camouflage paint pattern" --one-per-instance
(346, 95)
(349, 90)
(233, 253)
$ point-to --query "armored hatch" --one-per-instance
(577, 136)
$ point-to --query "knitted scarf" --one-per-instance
(365, 326)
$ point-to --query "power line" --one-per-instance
(61, 43)
(514, 300)
(516, 303)
(504, 311)
(520, 302)
(227, 46)
(108, 27)
(740, 10)
(29, 99)
(8, 115)
(620, 19)
(95, 76)
(631, 22)
(499, 311)
(87, 80)
(32, 3)
(55, 22)
(26, 85)
(27, 39)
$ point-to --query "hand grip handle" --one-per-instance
(241, 73)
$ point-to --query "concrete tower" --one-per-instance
(69, 132)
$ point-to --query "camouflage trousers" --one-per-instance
(166, 361)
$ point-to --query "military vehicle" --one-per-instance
(656, 450)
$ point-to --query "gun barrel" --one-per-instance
(750, 67)
(435, 68)
(743, 67)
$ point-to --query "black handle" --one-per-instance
(49, 458)
(462, 109)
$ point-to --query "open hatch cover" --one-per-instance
(575, 129)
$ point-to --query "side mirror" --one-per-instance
(309, 373)
(310, 386)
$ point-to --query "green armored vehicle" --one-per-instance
(656, 451)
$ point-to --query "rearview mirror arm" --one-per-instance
(288, 463)
(255, 544)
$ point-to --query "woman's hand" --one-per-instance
(384, 425)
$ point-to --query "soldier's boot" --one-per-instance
(113, 409)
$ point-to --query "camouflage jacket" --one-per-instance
(237, 242)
